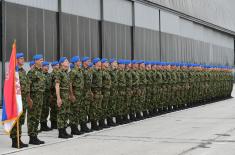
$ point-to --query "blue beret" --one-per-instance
(75, 59)
(85, 59)
(54, 63)
(120, 61)
(37, 57)
(71, 66)
(62, 59)
(140, 61)
(127, 62)
(103, 60)
(134, 61)
(111, 60)
(45, 63)
(95, 60)
(90, 65)
(19, 55)
(31, 63)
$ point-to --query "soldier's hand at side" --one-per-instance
(73, 98)
(30, 103)
(59, 102)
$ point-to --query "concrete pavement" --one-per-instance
(203, 130)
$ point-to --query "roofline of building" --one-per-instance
(188, 17)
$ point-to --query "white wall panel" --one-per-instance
(146, 17)
(84, 8)
(169, 23)
(118, 11)
(42, 4)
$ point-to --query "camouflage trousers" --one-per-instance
(13, 133)
(149, 96)
(142, 98)
(54, 109)
(128, 106)
(64, 110)
(105, 103)
(120, 101)
(96, 105)
(34, 113)
(135, 106)
(75, 109)
(85, 108)
(45, 106)
(112, 103)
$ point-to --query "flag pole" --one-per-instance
(18, 134)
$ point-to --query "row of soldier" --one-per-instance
(110, 92)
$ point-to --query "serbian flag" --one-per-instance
(12, 101)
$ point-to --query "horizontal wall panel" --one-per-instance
(118, 11)
(84, 8)
(116, 41)
(146, 17)
(80, 36)
(42, 4)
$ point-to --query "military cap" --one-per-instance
(45, 63)
(71, 66)
(19, 55)
(54, 63)
(103, 60)
(75, 59)
(112, 60)
(37, 57)
(62, 59)
(85, 59)
(95, 60)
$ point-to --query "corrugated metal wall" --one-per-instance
(186, 41)
(218, 12)
(117, 34)
(34, 29)
(146, 33)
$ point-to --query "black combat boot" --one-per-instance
(53, 125)
(138, 116)
(145, 114)
(94, 125)
(44, 127)
(125, 119)
(69, 135)
(15, 143)
(119, 120)
(110, 121)
(62, 134)
(132, 117)
(84, 128)
(34, 140)
(74, 130)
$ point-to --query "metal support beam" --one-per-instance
(59, 29)
(101, 27)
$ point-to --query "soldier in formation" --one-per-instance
(112, 92)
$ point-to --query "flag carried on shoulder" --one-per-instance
(12, 100)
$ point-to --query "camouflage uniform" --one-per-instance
(136, 92)
(106, 86)
(96, 105)
(24, 86)
(63, 112)
(37, 88)
(121, 92)
(142, 88)
(88, 95)
(53, 102)
(77, 81)
(46, 99)
(112, 109)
